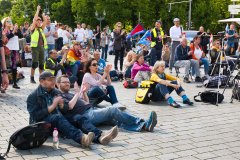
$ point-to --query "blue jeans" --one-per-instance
(61, 123)
(161, 90)
(112, 115)
(104, 52)
(205, 63)
(97, 92)
(83, 123)
(74, 69)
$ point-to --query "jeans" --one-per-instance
(104, 52)
(83, 123)
(161, 90)
(115, 116)
(205, 63)
(117, 54)
(188, 64)
(74, 69)
(97, 92)
(155, 55)
(61, 123)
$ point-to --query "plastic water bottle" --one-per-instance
(55, 139)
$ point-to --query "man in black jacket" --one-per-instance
(42, 105)
(183, 59)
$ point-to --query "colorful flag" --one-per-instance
(227, 28)
(147, 35)
(211, 41)
(137, 30)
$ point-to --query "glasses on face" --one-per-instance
(167, 46)
(39, 20)
(119, 26)
(9, 21)
(218, 43)
(94, 64)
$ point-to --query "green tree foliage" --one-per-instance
(204, 12)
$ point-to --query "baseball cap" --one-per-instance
(46, 74)
(176, 20)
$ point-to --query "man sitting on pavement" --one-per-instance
(42, 105)
(107, 115)
(76, 107)
(183, 59)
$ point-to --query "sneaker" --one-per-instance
(198, 79)
(87, 139)
(175, 105)
(188, 102)
(109, 136)
(151, 122)
(119, 106)
(186, 80)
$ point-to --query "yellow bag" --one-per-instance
(144, 93)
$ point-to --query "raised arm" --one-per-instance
(35, 18)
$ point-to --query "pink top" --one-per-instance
(94, 80)
(137, 67)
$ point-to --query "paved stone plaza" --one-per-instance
(200, 132)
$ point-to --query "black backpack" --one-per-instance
(210, 96)
(31, 136)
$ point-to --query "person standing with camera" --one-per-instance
(118, 45)
(38, 42)
(204, 39)
(157, 35)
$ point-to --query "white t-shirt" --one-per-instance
(198, 53)
(50, 38)
(79, 33)
(175, 33)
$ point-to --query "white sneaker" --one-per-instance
(119, 106)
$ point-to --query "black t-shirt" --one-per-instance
(80, 107)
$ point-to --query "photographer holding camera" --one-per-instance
(204, 39)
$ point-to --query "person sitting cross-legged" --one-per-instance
(43, 105)
(76, 107)
(183, 59)
(165, 85)
(140, 70)
(110, 115)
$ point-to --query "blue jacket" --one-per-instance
(37, 104)
(182, 53)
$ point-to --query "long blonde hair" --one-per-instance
(156, 65)
(4, 22)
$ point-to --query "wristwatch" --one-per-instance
(5, 71)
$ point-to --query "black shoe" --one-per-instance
(33, 81)
(198, 79)
(186, 80)
(16, 86)
(175, 105)
(187, 101)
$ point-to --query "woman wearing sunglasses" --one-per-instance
(11, 31)
(99, 86)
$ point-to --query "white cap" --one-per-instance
(176, 20)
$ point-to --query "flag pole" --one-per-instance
(138, 23)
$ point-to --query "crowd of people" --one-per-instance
(68, 59)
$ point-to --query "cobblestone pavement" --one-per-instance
(200, 132)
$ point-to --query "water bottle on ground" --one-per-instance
(55, 139)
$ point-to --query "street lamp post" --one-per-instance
(46, 9)
(100, 17)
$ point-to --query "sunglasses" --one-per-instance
(94, 64)
(119, 26)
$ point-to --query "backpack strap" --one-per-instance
(8, 149)
(195, 97)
